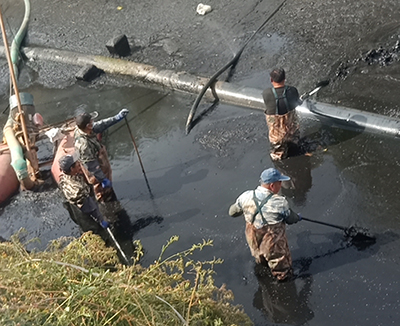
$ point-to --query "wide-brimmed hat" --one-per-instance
(272, 175)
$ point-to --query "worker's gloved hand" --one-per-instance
(104, 224)
(300, 217)
(106, 183)
(122, 114)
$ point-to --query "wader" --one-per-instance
(102, 194)
(270, 244)
(283, 129)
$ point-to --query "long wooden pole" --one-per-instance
(14, 82)
(134, 144)
(140, 160)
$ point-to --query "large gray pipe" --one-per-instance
(227, 92)
(351, 118)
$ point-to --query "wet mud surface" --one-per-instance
(350, 180)
(312, 40)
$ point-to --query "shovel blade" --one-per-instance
(323, 83)
(360, 238)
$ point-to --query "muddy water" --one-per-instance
(349, 180)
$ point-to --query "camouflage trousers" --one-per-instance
(270, 243)
(102, 194)
(283, 132)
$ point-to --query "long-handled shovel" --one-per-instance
(319, 85)
(134, 145)
(356, 236)
(114, 240)
(140, 160)
(118, 246)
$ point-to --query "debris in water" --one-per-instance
(382, 56)
(203, 9)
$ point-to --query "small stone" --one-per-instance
(88, 73)
(119, 45)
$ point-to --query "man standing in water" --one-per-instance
(280, 102)
(266, 213)
(93, 154)
(76, 190)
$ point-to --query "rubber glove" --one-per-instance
(104, 224)
(300, 217)
(106, 183)
(122, 114)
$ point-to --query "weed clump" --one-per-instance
(81, 282)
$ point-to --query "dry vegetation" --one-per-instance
(80, 282)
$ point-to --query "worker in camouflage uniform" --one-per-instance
(93, 154)
(280, 102)
(77, 190)
(266, 213)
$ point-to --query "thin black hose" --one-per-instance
(232, 63)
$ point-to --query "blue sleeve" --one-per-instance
(102, 125)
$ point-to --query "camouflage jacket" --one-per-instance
(262, 207)
(75, 188)
(87, 145)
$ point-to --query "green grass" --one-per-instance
(81, 282)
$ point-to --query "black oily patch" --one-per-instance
(223, 137)
(360, 237)
(382, 56)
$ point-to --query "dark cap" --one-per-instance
(66, 162)
(82, 120)
(272, 175)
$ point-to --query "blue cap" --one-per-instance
(272, 175)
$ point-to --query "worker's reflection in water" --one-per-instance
(299, 170)
(283, 302)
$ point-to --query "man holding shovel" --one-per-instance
(77, 190)
(266, 213)
(93, 154)
(79, 193)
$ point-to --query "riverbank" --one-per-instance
(351, 180)
(80, 281)
(311, 40)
